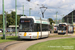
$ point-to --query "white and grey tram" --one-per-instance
(62, 28)
(33, 28)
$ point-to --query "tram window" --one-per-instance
(45, 27)
(36, 27)
(20, 26)
(65, 28)
(26, 25)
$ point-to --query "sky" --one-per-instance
(63, 7)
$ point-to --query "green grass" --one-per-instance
(60, 44)
(6, 33)
(9, 38)
(59, 35)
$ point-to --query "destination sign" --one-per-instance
(23, 21)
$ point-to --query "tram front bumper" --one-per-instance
(27, 37)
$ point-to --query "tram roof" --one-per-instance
(34, 17)
(37, 19)
(63, 23)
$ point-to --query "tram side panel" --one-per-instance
(45, 30)
(33, 35)
(29, 35)
(45, 33)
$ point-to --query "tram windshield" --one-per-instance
(62, 27)
(26, 25)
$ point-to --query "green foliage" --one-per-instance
(51, 21)
(18, 19)
(10, 19)
(13, 14)
(1, 21)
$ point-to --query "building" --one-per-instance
(11, 28)
(68, 18)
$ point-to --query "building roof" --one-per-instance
(13, 26)
(68, 17)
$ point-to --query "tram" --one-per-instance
(55, 28)
(31, 27)
(70, 28)
(62, 28)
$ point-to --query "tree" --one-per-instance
(10, 19)
(51, 21)
(13, 14)
(1, 21)
(18, 19)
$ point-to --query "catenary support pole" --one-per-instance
(16, 17)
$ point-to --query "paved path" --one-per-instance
(25, 44)
(3, 45)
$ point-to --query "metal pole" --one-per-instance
(3, 20)
(63, 19)
(23, 10)
(29, 11)
(16, 17)
(56, 17)
(67, 20)
(5, 24)
(72, 17)
(41, 26)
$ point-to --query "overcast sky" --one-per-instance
(63, 7)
